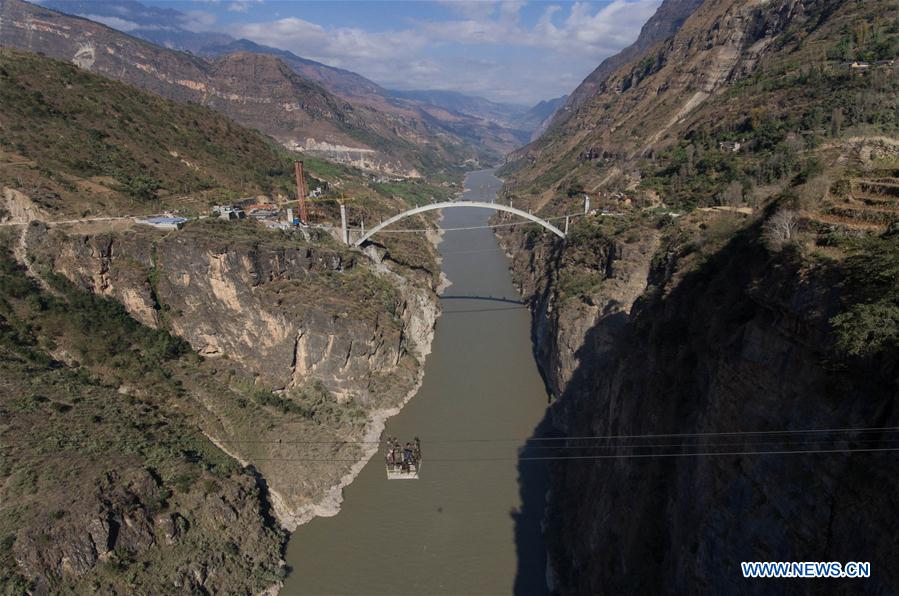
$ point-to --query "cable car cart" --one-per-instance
(403, 460)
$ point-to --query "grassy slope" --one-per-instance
(117, 150)
(108, 147)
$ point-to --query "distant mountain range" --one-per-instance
(386, 127)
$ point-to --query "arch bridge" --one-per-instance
(450, 204)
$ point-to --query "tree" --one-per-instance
(691, 153)
(836, 122)
(781, 228)
(867, 328)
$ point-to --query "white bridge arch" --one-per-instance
(451, 204)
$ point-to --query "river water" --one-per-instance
(467, 526)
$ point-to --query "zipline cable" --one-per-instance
(569, 457)
(563, 438)
(598, 437)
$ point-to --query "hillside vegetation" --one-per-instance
(259, 89)
(74, 140)
(131, 463)
(117, 150)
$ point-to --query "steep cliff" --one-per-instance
(108, 483)
(737, 276)
(669, 17)
(300, 350)
(310, 321)
(741, 343)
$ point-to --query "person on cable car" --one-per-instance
(407, 453)
(391, 455)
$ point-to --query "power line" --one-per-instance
(561, 438)
(596, 437)
(733, 433)
(688, 445)
(672, 435)
(566, 457)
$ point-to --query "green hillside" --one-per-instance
(78, 142)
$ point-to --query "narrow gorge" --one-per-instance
(253, 340)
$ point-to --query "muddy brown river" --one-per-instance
(466, 526)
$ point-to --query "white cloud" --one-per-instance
(242, 5)
(609, 29)
(114, 22)
(337, 46)
(198, 20)
(564, 45)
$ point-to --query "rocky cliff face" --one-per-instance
(667, 19)
(122, 523)
(572, 332)
(741, 344)
(284, 312)
(674, 310)
(339, 337)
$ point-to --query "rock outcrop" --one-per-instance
(571, 332)
(284, 312)
(741, 344)
(309, 340)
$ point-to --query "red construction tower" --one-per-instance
(301, 191)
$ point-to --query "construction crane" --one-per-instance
(302, 191)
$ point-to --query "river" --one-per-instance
(465, 527)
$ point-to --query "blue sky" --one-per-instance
(515, 51)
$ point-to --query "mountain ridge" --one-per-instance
(475, 126)
(320, 122)
(664, 22)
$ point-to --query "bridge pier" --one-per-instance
(345, 233)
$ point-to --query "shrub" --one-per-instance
(866, 329)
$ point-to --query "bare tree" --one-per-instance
(781, 228)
